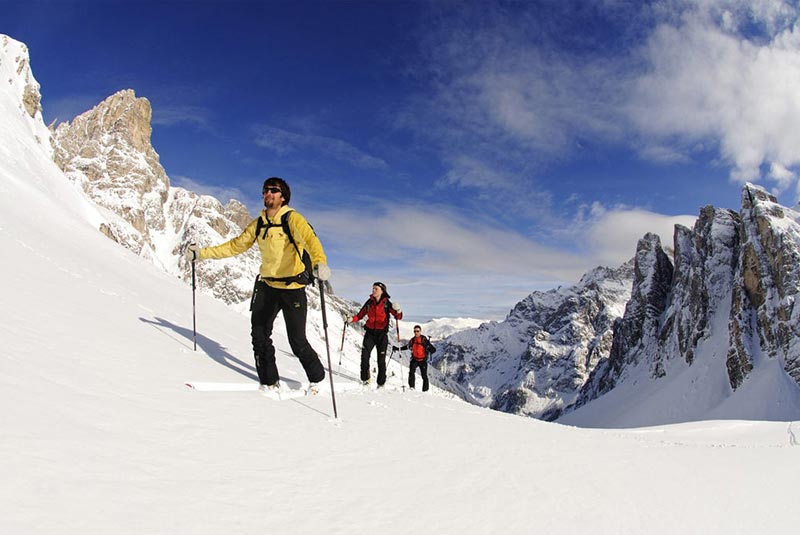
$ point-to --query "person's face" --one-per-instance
(417, 332)
(273, 197)
(377, 292)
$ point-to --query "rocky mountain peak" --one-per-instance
(764, 318)
(21, 88)
(696, 330)
(536, 360)
(725, 313)
(107, 152)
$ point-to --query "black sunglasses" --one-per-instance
(271, 189)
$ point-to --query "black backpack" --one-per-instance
(306, 276)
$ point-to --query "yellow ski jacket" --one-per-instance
(278, 256)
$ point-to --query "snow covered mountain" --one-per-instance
(107, 152)
(557, 352)
(535, 361)
(715, 335)
(439, 328)
(712, 335)
(100, 435)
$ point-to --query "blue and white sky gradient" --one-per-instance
(465, 153)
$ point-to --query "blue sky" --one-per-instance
(465, 153)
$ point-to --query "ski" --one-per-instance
(283, 393)
(223, 387)
(278, 395)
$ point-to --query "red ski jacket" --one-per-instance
(377, 313)
(420, 347)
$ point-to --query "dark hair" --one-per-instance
(417, 327)
(281, 183)
(382, 286)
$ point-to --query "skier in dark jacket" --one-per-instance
(421, 349)
(377, 310)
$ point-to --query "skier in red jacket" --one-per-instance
(377, 310)
(421, 349)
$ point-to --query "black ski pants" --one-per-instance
(380, 340)
(264, 307)
(423, 370)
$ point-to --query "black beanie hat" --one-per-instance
(382, 287)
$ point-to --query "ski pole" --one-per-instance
(341, 349)
(400, 363)
(194, 306)
(327, 345)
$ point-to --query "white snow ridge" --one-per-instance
(100, 435)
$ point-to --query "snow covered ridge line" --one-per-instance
(713, 334)
(22, 91)
(535, 361)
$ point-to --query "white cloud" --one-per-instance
(224, 195)
(439, 240)
(782, 176)
(685, 77)
(495, 190)
(181, 114)
(502, 93)
(67, 108)
(609, 236)
(458, 262)
(705, 80)
(285, 142)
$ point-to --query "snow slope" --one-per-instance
(100, 435)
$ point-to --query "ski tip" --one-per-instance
(190, 385)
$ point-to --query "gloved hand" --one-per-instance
(322, 272)
(193, 252)
(396, 308)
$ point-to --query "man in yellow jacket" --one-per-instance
(281, 281)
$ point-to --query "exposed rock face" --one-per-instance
(764, 317)
(124, 191)
(704, 269)
(724, 309)
(729, 300)
(107, 152)
(636, 333)
(535, 361)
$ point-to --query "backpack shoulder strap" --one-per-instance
(285, 225)
(266, 226)
(259, 225)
